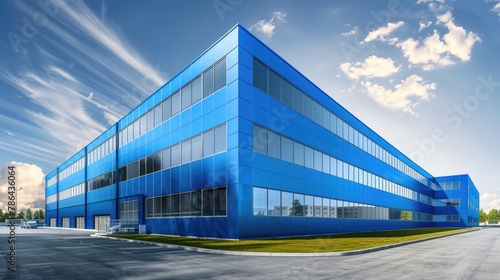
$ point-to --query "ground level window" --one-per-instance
(65, 222)
(80, 222)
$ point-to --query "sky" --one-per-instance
(423, 74)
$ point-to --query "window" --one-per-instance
(298, 99)
(317, 113)
(318, 160)
(274, 203)
(175, 155)
(286, 149)
(144, 125)
(158, 115)
(185, 204)
(175, 204)
(165, 206)
(275, 86)
(186, 151)
(167, 109)
(308, 157)
(196, 203)
(208, 202)
(133, 170)
(220, 139)
(274, 144)
(287, 203)
(122, 174)
(196, 147)
(288, 95)
(259, 75)
(260, 139)
(208, 82)
(220, 75)
(308, 107)
(208, 143)
(298, 153)
(142, 167)
(176, 103)
(220, 202)
(186, 96)
(196, 90)
(259, 201)
(166, 158)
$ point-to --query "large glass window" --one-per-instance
(166, 158)
(275, 85)
(208, 143)
(196, 147)
(274, 144)
(208, 82)
(308, 107)
(175, 204)
(185, 204)
(260, 139)
(318, 160)
(186, 151)
(274, 203)
(298, 99)
(186, 96)
(287, 204)
(298, 205)
(220, 75)
(208, 202)
(286, 149)
(133, 170)
(220, 139)
(259, 75)
(196, 90)
(176, 103)
(220, 202)
(196, 203)
(287, 93)
(167, 109)
(298, 153)
(259, 201)
(158, 115)
(175, 155)
(308, 157)
(165, 206)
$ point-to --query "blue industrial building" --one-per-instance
(241, 145)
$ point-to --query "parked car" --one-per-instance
(29, 224)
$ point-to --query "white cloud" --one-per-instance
(383, 32)
(496, 9)
(493, 204)
(405, 96)
(488, 195)
(28, 176)
(353, 31)
(434, 51)
(267, 27)
(372, 67)
(422, 26)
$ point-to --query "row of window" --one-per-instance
(451, 202)
(73, 191)
(450, 185)
(270, 82)
(52, 181)
(205, 144)
(72, 169)
(51, 199)
(275, 145)
(101, 181)
(268, 202)
(102, 150)
(210, 81)
(206, 202)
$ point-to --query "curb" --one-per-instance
(264, 254)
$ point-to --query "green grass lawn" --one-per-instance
(317, 244)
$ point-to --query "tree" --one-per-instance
(2, 216)
(493, 215)
(36, 215)
(20, 215)
(297, 209)
(29, 215)
(40, 213)
(406, 215)
(483, 217)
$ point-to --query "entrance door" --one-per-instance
(101, 223)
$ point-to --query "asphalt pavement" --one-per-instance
(70, 254)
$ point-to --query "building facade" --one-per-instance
(241, 145)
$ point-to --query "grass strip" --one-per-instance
(314, 244)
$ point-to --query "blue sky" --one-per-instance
(423, 74)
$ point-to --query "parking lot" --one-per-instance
(45, 253)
